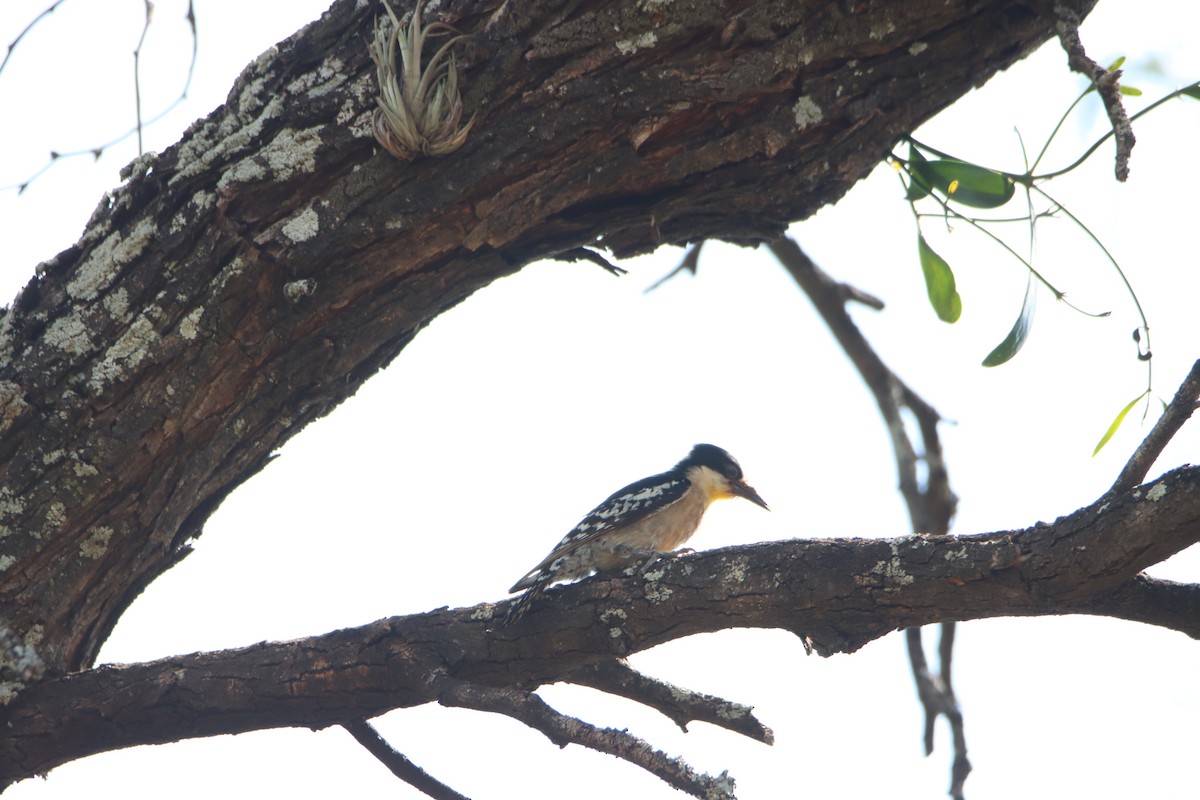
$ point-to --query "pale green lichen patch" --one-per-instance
(56, 517)
(956, 555)
(229, 272)
(189, 326)
(893, 570)
(609, 613)
(1157, 492)
(735, 571)
(231, 137)
(126, 353)
(68, 334)
(12, 406)
(655, 574)
(321, 81)
(303, 226)
(116, 303)
(657, 593)
(195, 207)
(10, 506)
(101, 266)
(96, 544)
(723, 788)
(806, 112)
(916, 48)
(83, 469)
(628, 47)
(6, 561)
(293, 153)
(733, 711)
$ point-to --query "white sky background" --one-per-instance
(456, 469)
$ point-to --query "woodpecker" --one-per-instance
(651, 516)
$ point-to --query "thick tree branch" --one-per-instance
(1087, 562)
(247, 280)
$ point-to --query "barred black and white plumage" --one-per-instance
(654, 515)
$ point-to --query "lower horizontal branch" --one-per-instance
(563, 730)
(840, 593)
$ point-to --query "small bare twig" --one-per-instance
(1177, 412)
(931, 503)
(137, 82)
(563, 730)
(13, 44)
(398, 763)
(678, 704)
(1107, 85)
(584, 254)
(98, 150)
(690, 263)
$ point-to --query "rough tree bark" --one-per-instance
(250, 278)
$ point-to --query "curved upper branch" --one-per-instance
(250, 278)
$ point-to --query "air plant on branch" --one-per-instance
(420, 109)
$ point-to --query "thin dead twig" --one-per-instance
(399, 764)
(563, 730)
(678, 704)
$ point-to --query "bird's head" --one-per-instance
(719, 474)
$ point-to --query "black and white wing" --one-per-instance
(624, 507)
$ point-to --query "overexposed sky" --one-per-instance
(455, 470)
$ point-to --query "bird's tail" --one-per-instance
(518, 609)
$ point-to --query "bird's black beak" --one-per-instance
(743, 489)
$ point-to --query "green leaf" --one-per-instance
(1116, 65)
(1116, 423)
(1015, 340)
(939, 283)
(917, 190)
(1192, 91)
(969, 184)
(1129, 91)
